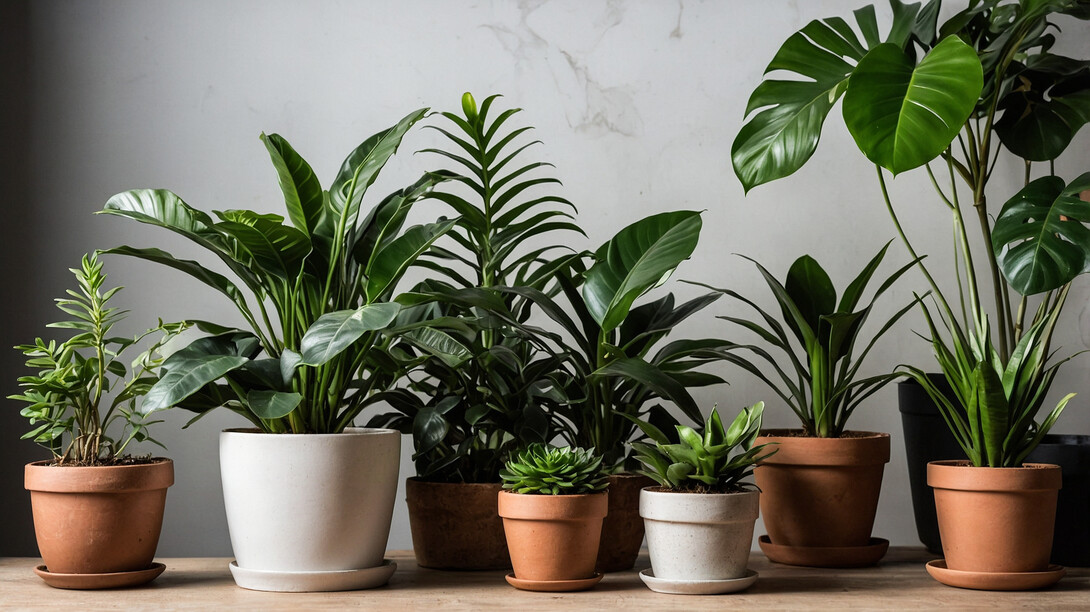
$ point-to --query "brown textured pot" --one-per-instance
(995, 519)
(553, 537)
(622, 530)
(456, 525)
(821, 492)
(98, 520)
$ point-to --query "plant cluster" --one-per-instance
(82, 386)
(716, 460)
(544, 469)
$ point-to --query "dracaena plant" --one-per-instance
(716, 460)
(321, 310)
(543, 469)
(949, 100)
(820, 338)
(82, 389)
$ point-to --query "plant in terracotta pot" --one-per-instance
(552, 509)
(467, 414)
(321, 314)
(955, 96)
(820, 491)
(97, 510)
(700, 518)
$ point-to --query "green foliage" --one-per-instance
(327, 280)
(543, 469)
(716, 460)
(821, 383)
(82, 387)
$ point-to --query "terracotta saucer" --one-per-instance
(553, 586)
(313, 582)
(697, 587)
(114, 580)
(825, 556)
(995, 581)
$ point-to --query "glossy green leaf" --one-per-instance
(334, 332)
(390, 263)
(809, 287)
(278, 249)
(303, 196)
(215, 280)
(272, 404)
(655, 379)
(187, 378)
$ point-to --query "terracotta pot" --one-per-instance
(553, 537)
(456, 525)
(699, 536)
(622, 531)
(98, 520)
(821, 492)
(995, 519)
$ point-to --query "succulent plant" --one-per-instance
(705, 462)
(545, 469)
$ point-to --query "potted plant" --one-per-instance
(97, 510)
(552, 509)
(821, 489)
(309, 497)
(699, 520)
(983, 81)
(468, 414)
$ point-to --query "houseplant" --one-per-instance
(552, 509)
(984, 80)
(821, 488)
(700, 519)
(97, 510)
(468, 414)
(328, 280)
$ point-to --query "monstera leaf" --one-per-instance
(1040, 238)
(1048, 105)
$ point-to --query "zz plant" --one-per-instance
(543, 469)
(82, 387)
(948, 99)
(322, 310)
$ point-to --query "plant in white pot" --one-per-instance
(97, 510)
(309, 498)
(699, 520)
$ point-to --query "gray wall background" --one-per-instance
(637, 104)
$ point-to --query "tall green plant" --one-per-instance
(955, 95)
(322, 309)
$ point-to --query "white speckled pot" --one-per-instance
(696, 536)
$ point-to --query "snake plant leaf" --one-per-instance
(272, 404)
(903, 116)
(989, 404)
(334, 332)
(639, 258)
(778, 140)
(1040, 237)
(303, 196)
(391, 261)
(1048, 104)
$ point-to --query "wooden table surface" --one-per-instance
(899, 582)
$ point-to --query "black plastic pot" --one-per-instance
(1071, 541)
(927, 438)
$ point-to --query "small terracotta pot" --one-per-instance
(456, 525)
(821, 492)
(101, 519)
(995, 519)
(622, 530)
(553, 537)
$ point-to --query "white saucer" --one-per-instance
(697, 587)
(303, 582)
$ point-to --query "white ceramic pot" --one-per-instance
(698, 536)
(309, 503)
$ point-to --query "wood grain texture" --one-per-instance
(900, 583)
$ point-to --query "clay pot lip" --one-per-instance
(866, 448)
(351, 431)
(958, 475)
(530, 506)
(43, 477)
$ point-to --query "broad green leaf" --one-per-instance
(903, 116)
(655, 379)
(332, 333)
(187, 378)
(278, 249)
(391, 261)
(1047, 105)
(439, 343)
(1040, 238)
(302, 192)
(160, 207)
(429, 429)
(272, 404)
(811, 290)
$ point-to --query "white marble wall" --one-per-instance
(637, 103)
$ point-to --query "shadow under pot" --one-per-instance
(456, 526)
(819, 497)
(310, 512)
(553, 539)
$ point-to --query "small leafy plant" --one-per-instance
(82, 387)
(715, 461)
(544, 469)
